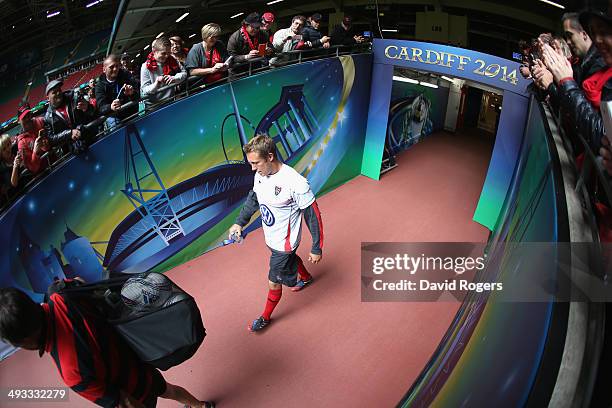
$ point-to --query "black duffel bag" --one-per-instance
(162, 332)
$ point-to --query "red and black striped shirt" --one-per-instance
(90, 356)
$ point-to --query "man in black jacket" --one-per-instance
(582, 47)
(311, 35)
(66, 115)
(343, 33)
(116, 87)
(589, 61)
(585, 116)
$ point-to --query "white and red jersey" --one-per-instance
(282, 197)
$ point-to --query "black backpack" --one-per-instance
(163, 336)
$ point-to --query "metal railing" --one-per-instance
(191, 86)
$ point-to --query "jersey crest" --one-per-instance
(266, 215)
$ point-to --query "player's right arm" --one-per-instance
(251, 205)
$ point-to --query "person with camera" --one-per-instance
(311, 36)
(66, 117)
(248, 43)
(10, 165)
(287, 39)
(159, 72)
(267, 19)
(33, 142)
(343, 34)
(585, 60)
(115, 87)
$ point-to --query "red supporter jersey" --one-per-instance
(25, 144)
(90, 357)
(216, 58)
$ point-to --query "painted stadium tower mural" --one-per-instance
(166, 220)
(164, 189)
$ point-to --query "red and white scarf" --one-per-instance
(171, 67)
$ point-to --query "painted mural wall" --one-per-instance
(415, 111)
(166, 188)
(530, 214)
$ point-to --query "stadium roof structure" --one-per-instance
(137, 22)
(491, 23)
(51, 23)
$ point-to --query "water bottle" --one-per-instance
(234, 238)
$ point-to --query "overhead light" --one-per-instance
(447, 78)
(429, 85)
(146, 47)
(192, 35)
(132, 61)
(273, 2)
(182, 17)
(160, 34)
(137, 55)
(53, 14)
(389, 30)
(236, 15)
(404, 79)
(93, 3)
(30, 83)
(552, 3)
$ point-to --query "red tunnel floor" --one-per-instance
(324, 347)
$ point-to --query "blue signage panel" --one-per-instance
(452, 61)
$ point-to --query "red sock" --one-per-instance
(304, 275)
(274, 296)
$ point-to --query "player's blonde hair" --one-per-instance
(261, 144)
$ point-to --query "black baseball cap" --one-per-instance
(253, 19)
(316, 17)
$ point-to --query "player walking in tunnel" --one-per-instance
(282, 195)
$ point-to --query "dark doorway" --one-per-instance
(473, 100)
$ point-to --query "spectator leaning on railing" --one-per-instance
(585, 115)
(311, 36)
(267, 19)
(66, 115)
(160, 70)
(587, 59)
(115, 87)
(287, 39)
(128, 66)
(32, 143)
(244, 43)
(206, 59)
(178, 50)
(9, 166)
(343, 34)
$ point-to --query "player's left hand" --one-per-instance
(313, 258)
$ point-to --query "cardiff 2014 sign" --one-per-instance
(494, 71)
